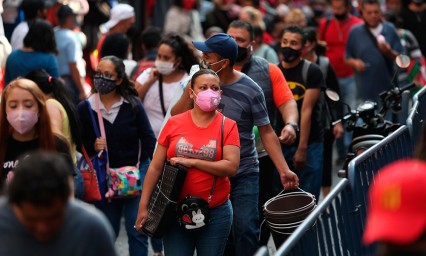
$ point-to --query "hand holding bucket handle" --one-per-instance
(289, 179)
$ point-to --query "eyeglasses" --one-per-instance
(106, 75)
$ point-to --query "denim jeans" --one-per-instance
(348, 95)
(310, 177)
(138, 242)
(209, 241)
(78, 184)
(244, 235)
(157, 245)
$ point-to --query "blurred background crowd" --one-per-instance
(197, 19)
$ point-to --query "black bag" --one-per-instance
(163, 202)
(193, 213)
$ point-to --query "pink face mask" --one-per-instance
(207, 100)
(22, 120)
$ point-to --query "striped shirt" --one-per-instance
(244, 102)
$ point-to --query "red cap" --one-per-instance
(397, 208)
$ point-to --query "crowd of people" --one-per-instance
(196, 87)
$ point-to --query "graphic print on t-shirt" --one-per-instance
(10, 164)
(297, 89)
(185, 149)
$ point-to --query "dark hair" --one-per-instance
(126, 88)
(31, 8)
(243, 25)
(60, 92)
(296, 30)
(63, 12)
(257, 31)
(347, 3)
(394, 19)
(40, 37)
(310, 33)
(181, 50)
(200, 73)
(256, 3)
(311, 36)
(151, 37)
(116, 44)
(364, 2)
(40, 179)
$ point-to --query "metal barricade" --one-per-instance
(336, 226)
(401, 116)
(417, 115)
(329, 229)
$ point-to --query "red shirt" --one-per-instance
(280, 90)
(184, 139)
(336, 36)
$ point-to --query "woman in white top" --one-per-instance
(156, 86)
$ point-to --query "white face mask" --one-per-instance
(164, 67)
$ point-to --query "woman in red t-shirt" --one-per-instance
(193, 139)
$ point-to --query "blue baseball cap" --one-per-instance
(220, 43)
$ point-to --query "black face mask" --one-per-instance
(318, 12)
(340, 16)
(242, 54)
(103, 85)
(290, 54)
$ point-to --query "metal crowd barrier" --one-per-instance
(336, 226)
(401, 116)
(417, 115)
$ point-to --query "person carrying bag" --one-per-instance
(126, 138)
(193, 139)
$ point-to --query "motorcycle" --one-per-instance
(369, 124)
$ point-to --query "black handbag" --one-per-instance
(163, 202)
(193, 211)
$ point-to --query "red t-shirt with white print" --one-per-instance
(185, 139)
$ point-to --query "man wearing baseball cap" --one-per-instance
(397, 211)
(243, 101)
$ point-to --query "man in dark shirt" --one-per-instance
(306, 155)
(38, 217)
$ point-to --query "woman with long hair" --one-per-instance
(157, 86)
(25, 125)
(38, 52)
(62, 111)
(128, 140)
(208, 144)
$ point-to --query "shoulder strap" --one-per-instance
(215, 177)
(95, 126)
(374, 40)
(102, 127)
(327, 23)
(305, 70)
(160, 88)
(323, 63)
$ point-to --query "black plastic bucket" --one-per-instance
(285, 212)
